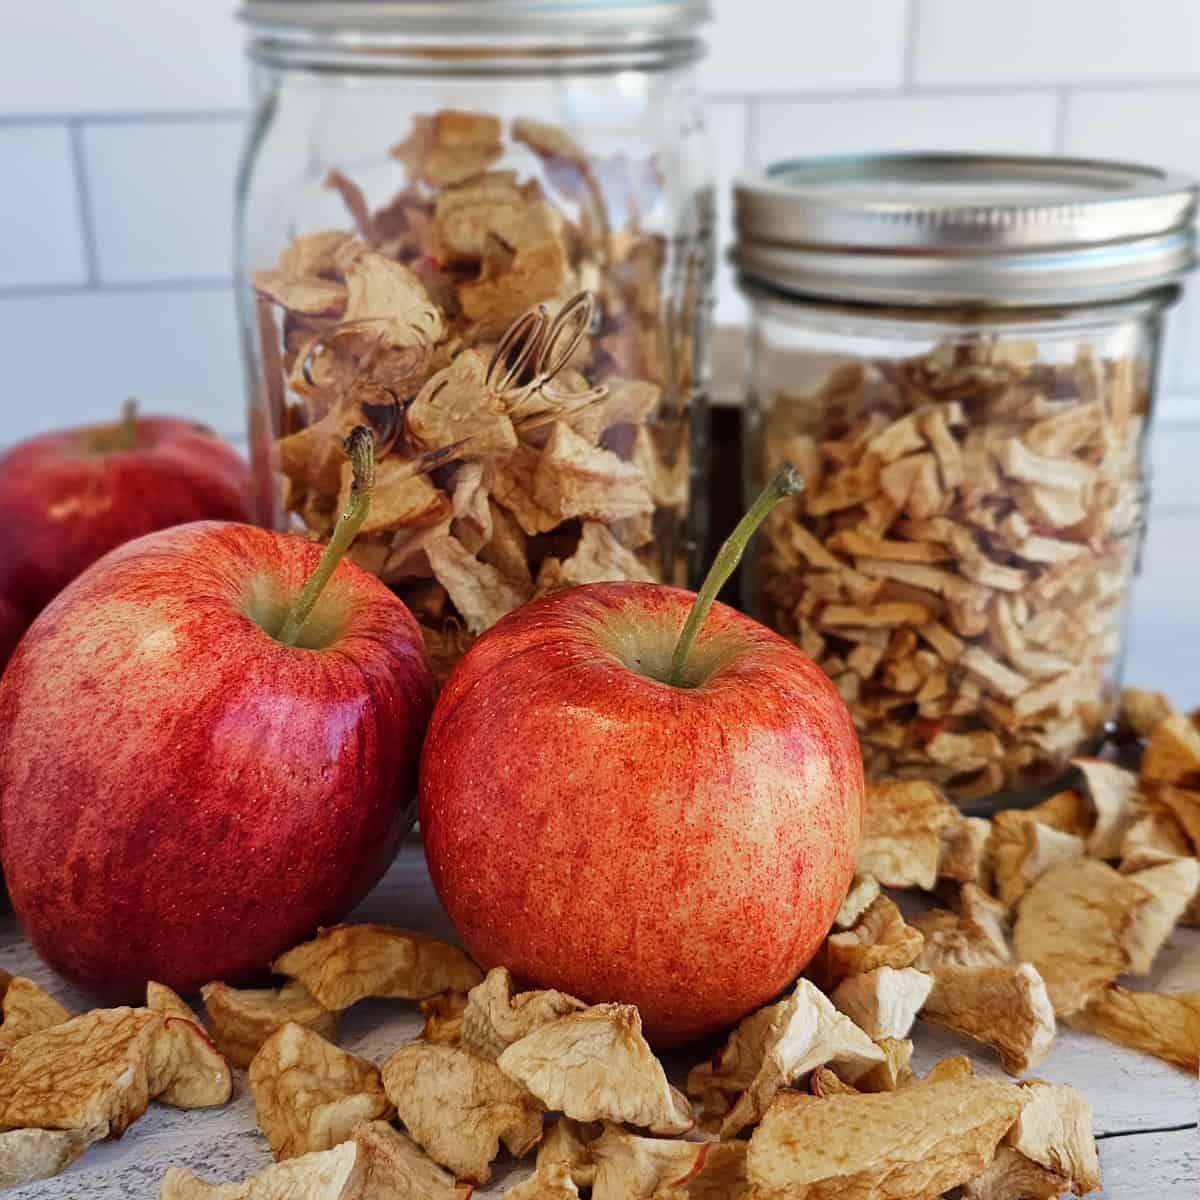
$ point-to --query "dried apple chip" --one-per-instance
(1113, 792)
(920, 1141)
(1055, 1131)
(964, 849)
(1184, 805)
(1022, 849)
(92, 1070)
(551, 1182)
(902, 833)
(310, 295)
(864, 889)
(456, 408)
(1154, 838)
(568, 1143)
(883, 1003)
(481, 593)
(576, 479)
(459, 1108)
(241, 1019)
(1165, 1024)
(396, 1168)
(335, 1174)
(629, 1167)
(495, 1018)
(1172, 887)
(1141, 712)
(959, 939)
(895, 1070)
(443, 1015)
(595, 1065)
(27, 1155)
(348, 963)
(1173, 753)
(195, 1071)
(309, 1095)
(1006, 1007)
(27, 1008)
(881, 938)
(1011, 1176)
(1073, 925)
(450, 146)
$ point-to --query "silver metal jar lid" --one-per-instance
(963, 229)
(573, 20)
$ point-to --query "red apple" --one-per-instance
(183, 795)
(595, 827)
(12, 625)
(69, 497)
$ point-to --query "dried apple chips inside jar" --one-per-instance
(512, 340)
(960, 559)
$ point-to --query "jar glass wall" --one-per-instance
(500, 257)
(960, 560)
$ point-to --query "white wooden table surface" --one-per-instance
(1146, 1111)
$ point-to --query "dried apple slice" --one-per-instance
(568, 1143)
(902, 833)
(552, 1182)
(881, 938)
(443, 1015)
(241, 1019)
(195, 1072)
(883, 1003)
(495, 1018)
(1166, 1025)
(27, 1008)
(1022, 849)
(27, 1155)
(1172, 887)
(639, 1168)
(334, 1174)
(1113, 792)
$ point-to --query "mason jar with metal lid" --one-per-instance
(483, 227)
(960, 354)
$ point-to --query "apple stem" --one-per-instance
(127, 432)
(360, 447)
(786, 481)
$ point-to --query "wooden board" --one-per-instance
(1133, 1095)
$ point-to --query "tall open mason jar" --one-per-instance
(959, 353)
(483, 227)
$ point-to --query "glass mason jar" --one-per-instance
(483, 227)
(959, 354)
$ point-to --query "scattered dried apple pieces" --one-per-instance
(1166, 1025)
(27, 1008)
(965, 553)
(27, 1155)
(196, 1072)
(419, 323)
(884, 1002)
(629, 1167)
(880, 938)
(241, 1019)
(348, 963)
(495, 1018)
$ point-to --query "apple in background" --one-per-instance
(69, 497)
(626, 813)
(203, 757)
(12, 625)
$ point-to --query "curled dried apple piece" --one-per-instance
(881, 938)
(1011, 1176)
(1172, 887)
(1173, 753)
(449, 146)
(1184, 805)
(1141, 711)
(89, 1071)
(824, 1082)
(1153, 839)
(27, 1155)
(922, 1140)
(396, 1167)
(309, 1095)
(895, 1070)
(778, 1046)
(1073, 925)
(864, 889)
(550, 1182)
(335, 1174)
(459, 1108)
(964, 849)
(973, 937)
(241, 1019)
(192, 1071)
(1055, 1131)
(1022, 849)
(495, 1018)
(27, 1008)
(348, 963)
(883, 1003)
(595, 1065)
(629, 1167)
(569, 1143)
(1113, 792)
(443, 1015)
(1166, 1025)
(902, 833)
(1006, 1007)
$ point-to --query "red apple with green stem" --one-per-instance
(208, 747)
(630, 793)
(70, 497)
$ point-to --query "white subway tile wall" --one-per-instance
(120, 125)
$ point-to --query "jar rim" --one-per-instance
(944, 229)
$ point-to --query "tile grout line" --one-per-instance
(912, 27)
(83, 197)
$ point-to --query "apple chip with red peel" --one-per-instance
(336, 1174)
(804, 1031)
(1164, 1024)
(629, 1167)
(922, 1140)
(1022, 849)
(27, 1008)
(27, 1155)
(902, 833)
(1172, 887)
(569, 1143)
(459, 1108)
(309, 1095)
(191, 1071)
(241, 1019)
(348, 963)
(443, 1015)
(1006, 1007)
(883, 1003)
(1011, 1176)
(1073, 925)
(550, 1182)
(881, 938)
(1055, 1131)
(1141, 711)
(89, 1071)
(495, 1018)
(1173, 753)
(1153, 839)
(895, 1070)
(595, 1065)
(864, 889)
(1113, 792)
